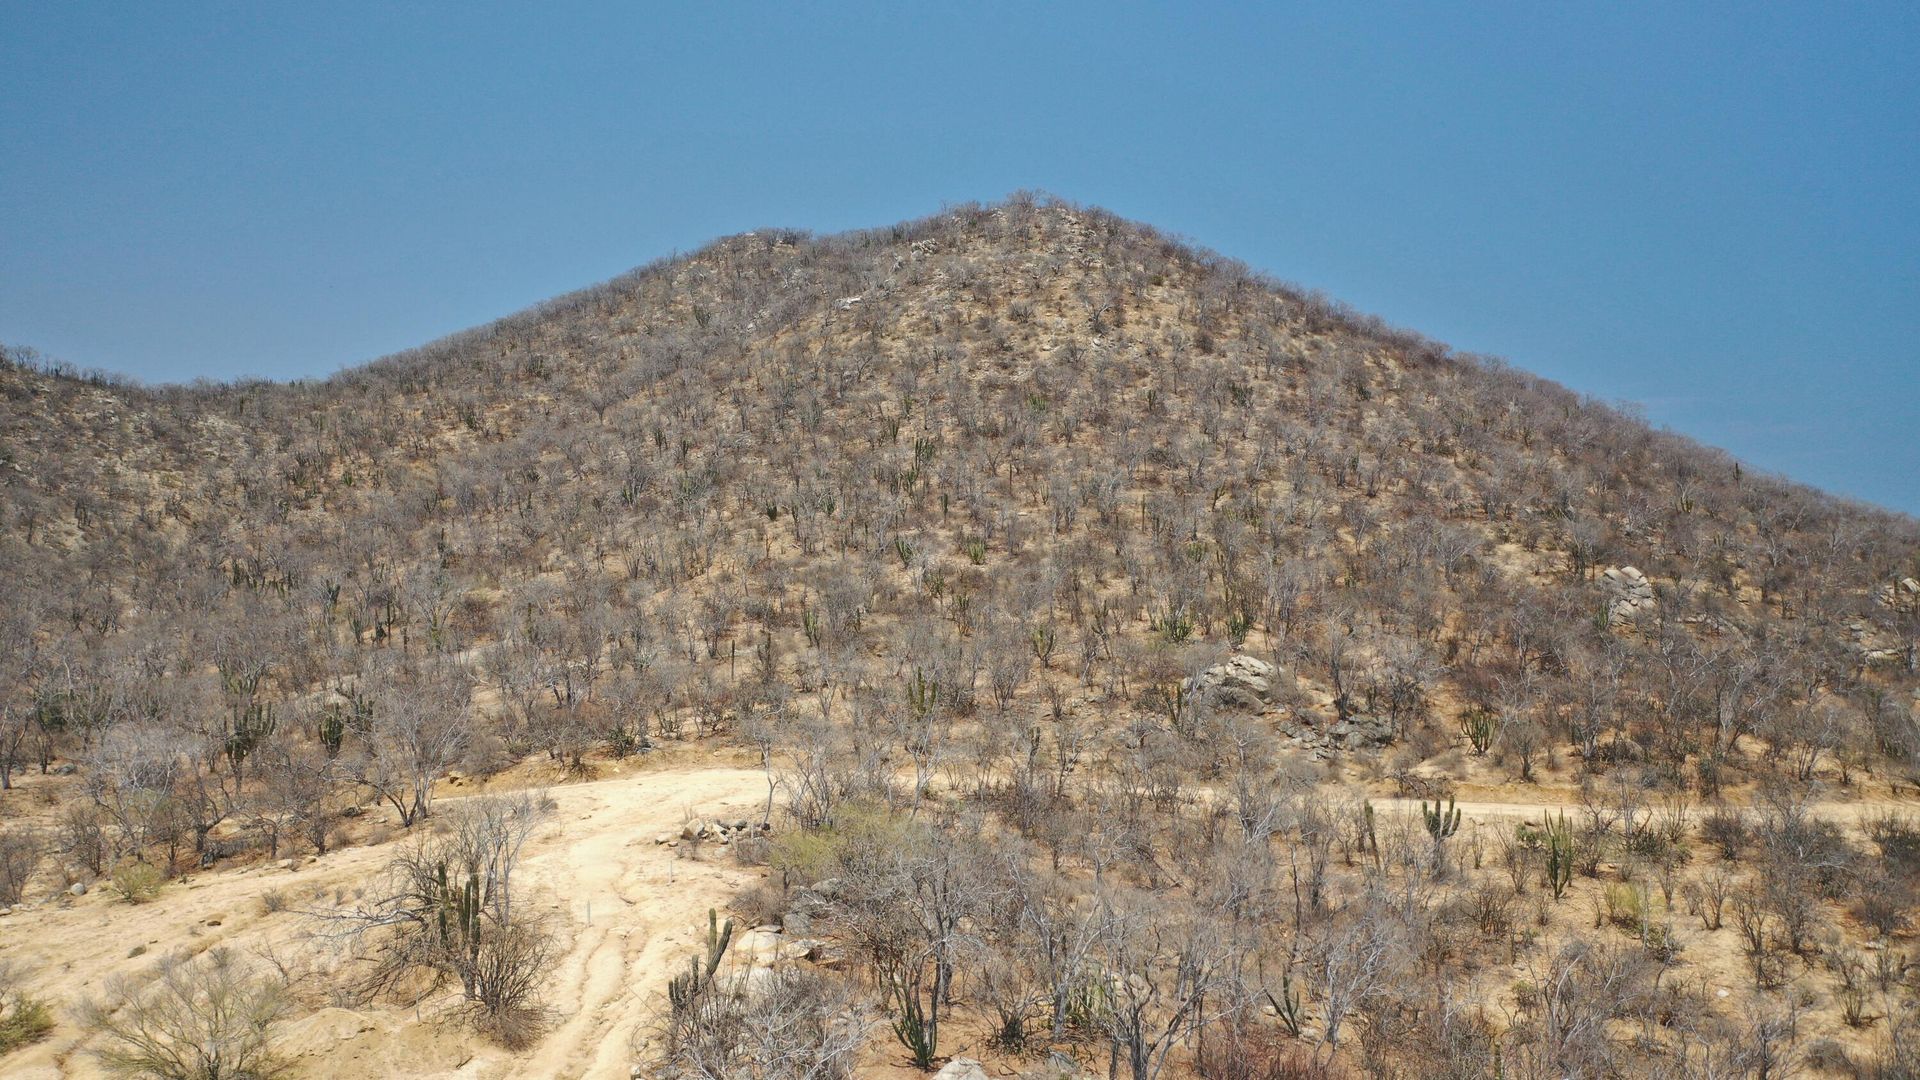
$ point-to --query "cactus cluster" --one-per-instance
(684, 990)
(1440, 823)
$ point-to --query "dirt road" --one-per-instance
(629, 909)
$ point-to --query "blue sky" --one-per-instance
(1710, 210)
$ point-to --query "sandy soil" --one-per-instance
(630, 911)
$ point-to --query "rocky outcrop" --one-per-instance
(1242, 683)
(1632, 595)
(1353, 733)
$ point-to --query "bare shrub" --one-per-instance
(20, 855)
(793, 1024)
(209, 1018)
(446, 912)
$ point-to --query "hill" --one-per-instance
(1017, 528)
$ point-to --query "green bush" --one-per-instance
(23, 1019)
(137, 882)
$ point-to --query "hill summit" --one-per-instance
(1020, 508)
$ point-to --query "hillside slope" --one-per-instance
(1135, 432)
(958, 506)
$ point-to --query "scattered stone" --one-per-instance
(78, 888)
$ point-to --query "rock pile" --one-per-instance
(1241, 683)
(1632, 594)
(714, 832)
(1353, 733)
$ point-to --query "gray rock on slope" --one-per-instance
(1241, 683)
(1632, 594)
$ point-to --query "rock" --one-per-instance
(1360, 731)
(1631, 591)
(767, 945)
(961, 1069)
(78, 888)
(689, 831)
(287, 864)
(663, 838)
(1243, 683)
(806, 948)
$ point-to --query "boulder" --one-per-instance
(1356, 732)
(1632, 594)
(1243, 683)
(961, 1069)
(78, 888)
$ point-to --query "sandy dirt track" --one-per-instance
(629, 910)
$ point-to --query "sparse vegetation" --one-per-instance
(956, 525)
(205, 1018)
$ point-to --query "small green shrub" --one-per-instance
(137, 882)
(23, 1017)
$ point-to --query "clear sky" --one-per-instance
(1711, 210)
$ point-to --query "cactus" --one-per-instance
(684, 990)
(1042, 638)
(913, 1031)
(1559, 838)
(1479, 726)
(333, 731)
(1371, 841)
(1440, 823)
(923, 694)
(250, 726)
(1287, 1005)
(904, 550)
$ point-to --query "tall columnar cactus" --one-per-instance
(1479, 726)
(1559, 839)
(1440, 823)
(1371, 841)
(684, 990)
(1287, 1006)
(923, 693)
